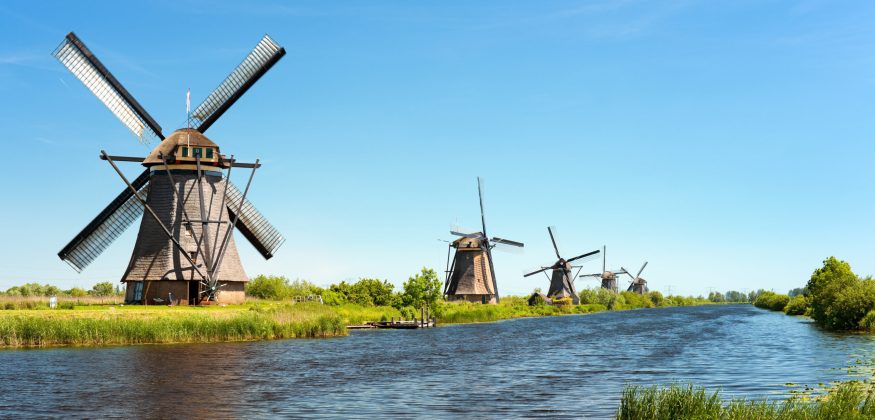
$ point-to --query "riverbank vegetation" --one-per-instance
(848, 400)
(276, 308)
(835, 298)
(161, 324)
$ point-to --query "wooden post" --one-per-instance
(422, 316)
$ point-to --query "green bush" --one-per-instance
(798, 305)
(657, 299)
(838, 298)
(268, 287)
(772, 301)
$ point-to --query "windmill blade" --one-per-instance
(586, 257)
(642, 269)
(255, 65)
(482, 213)
(537, 271)
(626, 272)
(77, 58)
(106, 227)
(255, 227)
(590, 275)
(475, 235)
(503, 241)
(553, 239)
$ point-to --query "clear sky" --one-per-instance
(729, 144)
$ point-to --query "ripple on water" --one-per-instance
(553, 367)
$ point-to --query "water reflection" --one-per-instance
(559, 367)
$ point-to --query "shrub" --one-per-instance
(772, 301)
(657, 298)
(798, 305)
(268, 287)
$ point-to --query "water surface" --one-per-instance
(572, 366)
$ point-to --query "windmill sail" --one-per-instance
(106, 227)
(74, 55)
(255, 65)
(255, 227)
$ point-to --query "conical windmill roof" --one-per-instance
(188, 137)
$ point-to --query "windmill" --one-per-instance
(471, 274)
(185, 250)
(561, 279)
(608, 277)
(637, 284)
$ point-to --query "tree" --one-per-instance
(268, 287)
(77, 292)
(104, 288)
(825, 285)
(422, 289)
(799, 291)
(716, 297)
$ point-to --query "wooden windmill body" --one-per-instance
(472, 278)
(638, 284)
(609, 278)
(561, 277)
(188, 208)
(471, 273)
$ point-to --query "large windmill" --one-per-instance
(471, 274)
(637, 284)
(561, 279)
(185, 251)
(608, 277)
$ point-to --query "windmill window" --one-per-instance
(185, 152)
(197, 152)
(193, 256)
(188, 230)
(209, 153)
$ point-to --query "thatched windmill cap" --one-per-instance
(188, 137)
(467, 242)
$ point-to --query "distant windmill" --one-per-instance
(608, 277)
(638, 284)
(471, 274)
(561, 280)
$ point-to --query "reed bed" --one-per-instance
(510, 307)
(64, 302)
(160, 325)
(848, 400)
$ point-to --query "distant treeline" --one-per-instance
(835, 297)
(421, 289)
(35, 290)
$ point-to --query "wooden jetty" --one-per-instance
(399, 324)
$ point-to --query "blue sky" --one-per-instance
(727, 143)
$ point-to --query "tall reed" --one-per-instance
(848, 400)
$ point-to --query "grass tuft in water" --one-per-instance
(848, 400)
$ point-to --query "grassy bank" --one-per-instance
(141, 325)
(93, 321)
(849, 400)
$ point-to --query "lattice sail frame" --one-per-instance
(258, 60)
(117, 217)
(75, 60)
(252, 224)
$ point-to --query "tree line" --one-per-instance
(421, 289)
(101, 289)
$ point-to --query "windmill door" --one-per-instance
(193, 292)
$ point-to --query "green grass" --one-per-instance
(154, 325)
(849, 400)
(93, 322)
